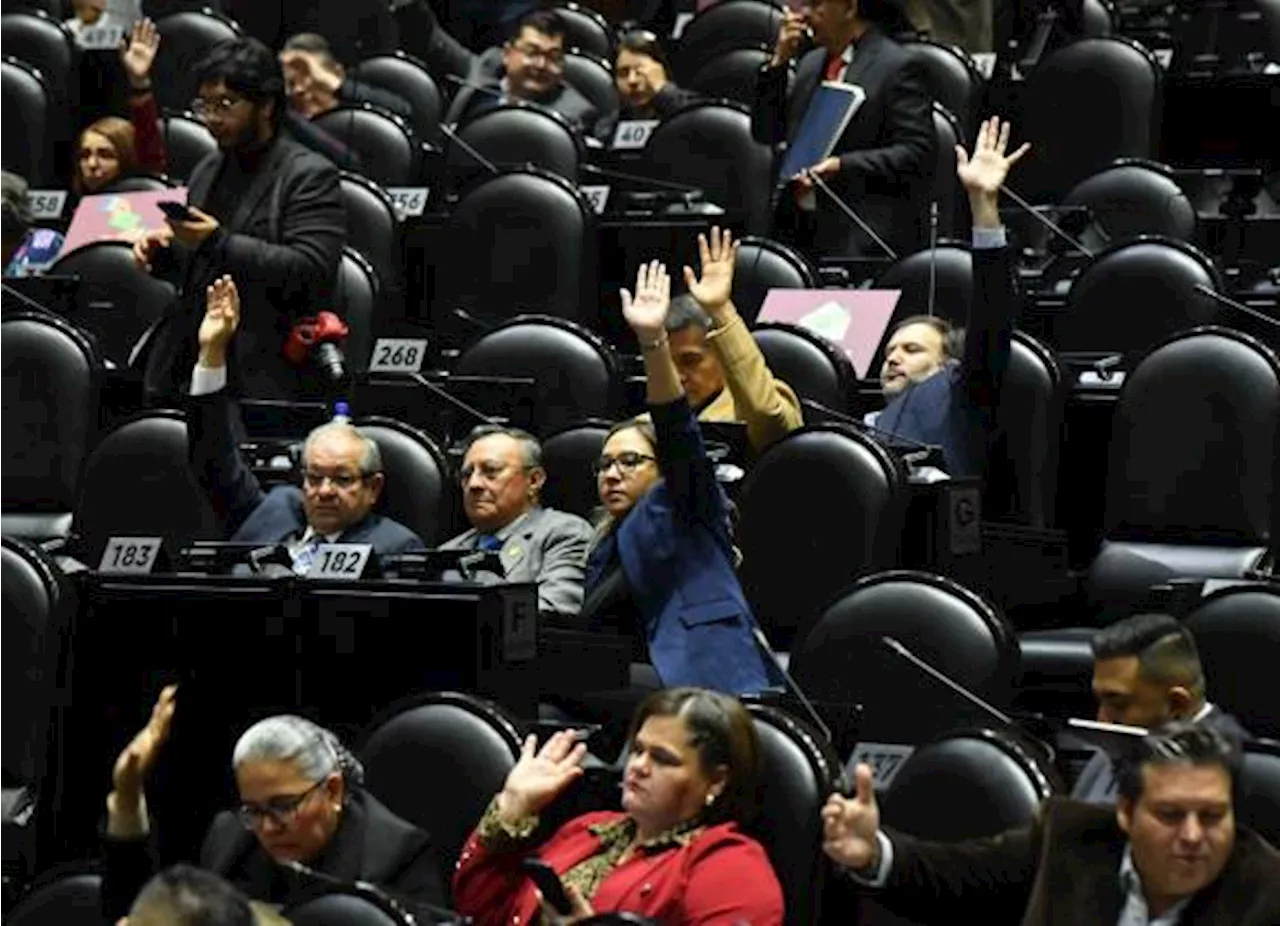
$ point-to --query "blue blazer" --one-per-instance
(254, 516)
(677, 555)
(955, 408)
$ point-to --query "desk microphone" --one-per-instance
(688, 193)
(792, 687)
(454, 400)
(933, 256)
(920, 451)
(27, 300)
(1235, 304)
(450, 133)
(1046, 222)
(848, 210)
(375, 895)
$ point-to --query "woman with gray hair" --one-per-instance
(301, 801)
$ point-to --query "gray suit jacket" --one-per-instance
(485, 80)
(545, 546)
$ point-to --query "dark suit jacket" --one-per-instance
(485, 79)
(887, 153)
(356, 92)
(956, 407)
(1064, 870)
(678, 557)
(371, 844)
(254, 516)
(281, 245)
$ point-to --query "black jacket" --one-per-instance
(887, 153)
(371, 844)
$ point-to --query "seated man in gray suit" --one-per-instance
(342, 469)
(529, 67)
(502, 478)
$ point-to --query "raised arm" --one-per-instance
(769, 408)
(137, 54)
(769, 114)
(215, 456)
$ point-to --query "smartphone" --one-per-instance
(176, 211)
(548, 882)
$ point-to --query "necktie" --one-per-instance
(488, 542)
(835, 68)
(305, 556)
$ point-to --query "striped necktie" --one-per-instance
(305, 556)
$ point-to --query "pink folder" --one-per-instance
(853, 319)
(118, 217)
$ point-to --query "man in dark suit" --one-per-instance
(1147, 672)
(342, 469)
(1169, 852)
(530, 67)
(266, 210)
(317, 81)
(884, 159)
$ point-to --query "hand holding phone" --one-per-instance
(549, 883)
(176, 212)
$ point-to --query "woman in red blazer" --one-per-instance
(675, 853)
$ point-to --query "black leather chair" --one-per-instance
(810, 364)
(791, 568)
(951, 267)
(721, 28)
(67, 900)
(443, 744)
(139, 183)
(592, 76)
(185, 38)
(1191, 489)
(418, 491)
(1259, 792)
(359, 295)
(1022, 482)
(47, 45)
(577, 374)
(351, 907)
(409, 79)
(762, 265)
(709, 145)
(36, 597)
(384, 142)
(945, 189)
(568, 456)
(1134, 197)
(116, 302)
(145, 457)
(52, 379)
(26, 119)
(1097, 19)
(951, 78)
(522, 241)
(1083, 106)
(188, 142)
(798, 772)
(514, 134)
(374, 229)
(732, 74)
(1237, 632)
(839, 657)
(1134, 294)
(586, 30)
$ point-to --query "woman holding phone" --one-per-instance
(676, 852)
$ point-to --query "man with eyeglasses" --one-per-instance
(265, 210)
(530, 67)
(342, 469)
(502, 478)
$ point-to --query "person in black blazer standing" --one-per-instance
(884, 160)
(302, 800)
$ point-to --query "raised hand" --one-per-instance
(136, 761)
(541, 774)
(984, 172)
(790, 34)
(849, 826)
(138, 53)
(221, 316)
(646, 312)
(715, 287)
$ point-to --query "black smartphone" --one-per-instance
(178, 212)
(548, 882)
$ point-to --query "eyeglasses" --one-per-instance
(214, 109)
(628, 462)
(553, 57)
(279, 810)
(343, 481)
(489, 471)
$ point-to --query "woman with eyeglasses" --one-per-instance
(301, 800)
(662, 566)
(642, 75)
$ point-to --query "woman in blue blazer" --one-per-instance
(663, 564)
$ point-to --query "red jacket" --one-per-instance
(721, 878)
(147, 139)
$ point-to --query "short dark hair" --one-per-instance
(1176, 743)
(548, 22)
(313, 43)
(1165, 649)
(723, 733)
(644, 42)
(952, 335)
(684, 312)
(249, 68)
(188, 896)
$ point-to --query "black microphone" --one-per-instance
(933, 256)
(922, 450)
(454, 400)
(790, 683)
(858, 220)
(689, 193)
(487, 91)
(483, 161)
(1238, 306)
(1046, 222)
(376, 895)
